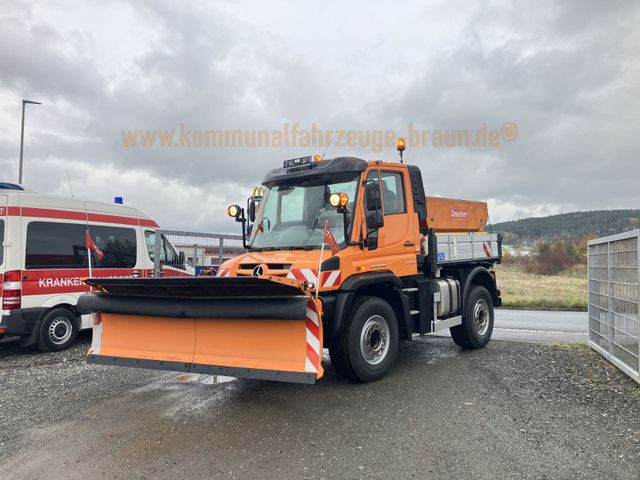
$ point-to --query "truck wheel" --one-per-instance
(369, 346)
(477, 320)
(58, 330)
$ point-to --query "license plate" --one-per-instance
(297, 162)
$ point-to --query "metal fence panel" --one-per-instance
(192, 253)
(614, 300)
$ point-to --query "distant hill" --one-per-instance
(574, 225)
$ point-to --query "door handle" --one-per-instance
(409, 244)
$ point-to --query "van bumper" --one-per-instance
(21, 322)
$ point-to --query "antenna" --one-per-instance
(328, 145)
(69, 180)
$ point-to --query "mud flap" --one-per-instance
(242, 327)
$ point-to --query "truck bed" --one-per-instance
(466, 247)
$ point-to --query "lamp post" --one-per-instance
(24, 102)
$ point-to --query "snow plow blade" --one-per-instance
(249, 327)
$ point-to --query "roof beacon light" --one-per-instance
(317, 157)
(401, 145)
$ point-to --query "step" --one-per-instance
(410, 289)
(414, 312)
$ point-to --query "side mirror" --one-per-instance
(373, 206)
(252, 208)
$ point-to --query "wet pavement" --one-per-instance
(538, 326)
(511, 410)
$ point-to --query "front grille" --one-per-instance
(270, 266)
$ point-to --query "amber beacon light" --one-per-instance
(401, 145)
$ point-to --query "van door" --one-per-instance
(3, 229)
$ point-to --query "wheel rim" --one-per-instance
(481, 316)
(374, 340)
(60, 330)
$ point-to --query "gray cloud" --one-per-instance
(567, 74)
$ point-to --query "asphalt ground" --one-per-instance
(538, 326)
(510, 410)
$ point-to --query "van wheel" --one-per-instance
(477, 320)
(58, 330)
(369, 347)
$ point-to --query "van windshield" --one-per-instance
(293, 215)
(168, 255)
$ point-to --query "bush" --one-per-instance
(551, 259)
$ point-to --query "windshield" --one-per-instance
(294, 215)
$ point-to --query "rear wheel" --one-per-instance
(369, 346)
(58, 330)
(477, 320)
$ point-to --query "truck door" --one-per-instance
(396, 239)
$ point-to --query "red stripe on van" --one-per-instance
(49, 213)
(75, 215)
(144, 222)
(101, 217)
(42, 282)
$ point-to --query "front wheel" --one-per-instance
(58, 330)
(477, 320)
(369, 346)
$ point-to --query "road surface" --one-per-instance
(510, 410)
(538, 326)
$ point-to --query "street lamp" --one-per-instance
(22, 136)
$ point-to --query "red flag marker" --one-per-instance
(330, 239)
(90, 244)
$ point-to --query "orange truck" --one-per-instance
(343, 253)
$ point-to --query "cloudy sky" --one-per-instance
(567, 73)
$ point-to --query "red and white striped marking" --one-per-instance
(223, 272)
(487, 248)
(314, 342)
(331, 278)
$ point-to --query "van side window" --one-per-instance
(392, 193)
(53, 245)
(118, 245)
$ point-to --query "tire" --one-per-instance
(367, 349)
(477, 320)
(58, 330)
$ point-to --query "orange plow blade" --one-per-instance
(242, 327)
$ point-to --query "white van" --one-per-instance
(43, 259)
